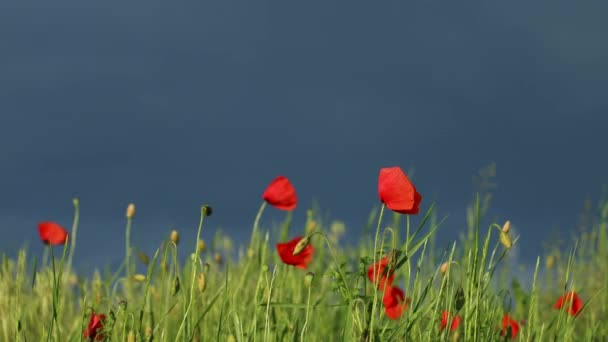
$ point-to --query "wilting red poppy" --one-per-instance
(281, 194)
(52, 233)
(300, 260)
(509, 323)
(375, 273)
(93, 330)
(570, 299)
(445, 318)
(397, 192)
(395, 302)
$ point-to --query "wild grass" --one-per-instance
(253, 296)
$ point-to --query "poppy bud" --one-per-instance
(301, 245)
(130, 210)
(201, 246)
(265, 268)
(174, 237)
(218, 258)
(122, 305)
(444, 268)
(206, 210)
(550, 261)
(76, 201)
(308, 279)
(506, 227)
(505, 240)
(459, 299)
(148, 332)
(139, 278)
(202, 282)
(176, 285)
(144, 258)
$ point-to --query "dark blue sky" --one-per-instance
(172, 105)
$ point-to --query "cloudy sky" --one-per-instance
(172, 105)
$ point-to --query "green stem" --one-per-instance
(307, 314)
(256, 224)
(74, 231)
(194, 258)
(376, 274)
(128, 255)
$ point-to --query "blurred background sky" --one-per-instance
(172, 105)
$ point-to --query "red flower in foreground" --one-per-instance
(509, 323)
(395, 302)
(281, 194)
(375, 273)
(445, 318)
(397, 192)
(93, 330)
(52, 233)
(572, 300)
(300, 260)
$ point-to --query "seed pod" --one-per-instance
(206, 210)
(201, 246)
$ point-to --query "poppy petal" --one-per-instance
(376, 274)
(52, 233)
(397, 192)
(281, 194)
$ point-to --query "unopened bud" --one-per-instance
(505, 240)
(308, 279)
(201, 246)
(176, 286)
(148, 332)
(139, 278)
(301, 245)
(174, 236)
(130, 210)
(550, 261)
(144, 258)
(311, 226)
(202, 282)
(76, 201)
(218, 258)
(131, 336)
(506, 227)
(444, 268)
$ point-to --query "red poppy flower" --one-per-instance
(572, 300)
(397, 192)
(281, 194)
(93, 330)
(445, 318)
(509, 323)
(395, 302)
(300, 260)
(52, 233)
(375, 273)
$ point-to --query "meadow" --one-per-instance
(395, 284)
